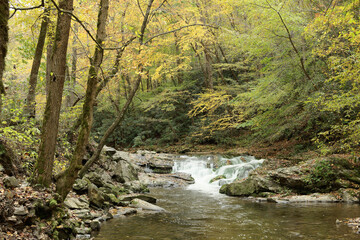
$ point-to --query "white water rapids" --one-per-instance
(203, 170)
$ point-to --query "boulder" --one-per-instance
(137, 187)
(111, 198)
(95, 225)
(138, 203)
(11, 182)
(184, 176)
(20, 211)
(160, 164)
(252, 185)
(109, 150)
(95, 178)
(290, 177)
(80, 186)
(350, 195)
(82, 230)
(76, 203)
(95, 196)
(82, 213)
(124, 211)
(120, 155)
(125, 172)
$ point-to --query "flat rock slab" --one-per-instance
(146, 198)
(138, 203)
(75, 203)
(313, 198)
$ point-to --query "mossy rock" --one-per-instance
(111, 198)
(217, 178)
(245, 188)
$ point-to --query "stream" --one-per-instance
(200, 212)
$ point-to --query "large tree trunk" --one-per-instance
(65, 182)
(44, 164)
(4, 38)
(30, 100)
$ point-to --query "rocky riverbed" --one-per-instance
(114, 187)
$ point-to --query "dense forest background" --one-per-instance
(230, 72)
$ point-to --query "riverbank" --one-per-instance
(114, 187)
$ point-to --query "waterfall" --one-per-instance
(210, 173)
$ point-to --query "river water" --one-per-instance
(200, 212)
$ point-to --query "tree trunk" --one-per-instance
(49, 50)
(111, 129)
(44, 164)
(4, 38)
(208, 70)
(65, 182)
(71, 97)
(30, 100)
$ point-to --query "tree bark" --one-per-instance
(71, 97)
(65, 182)
(45, 161)
(4, 38)
(30, 100)
(208, 69)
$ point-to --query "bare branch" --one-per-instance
(291, 40)
(84, 27)
(142, 13)
(42, 4)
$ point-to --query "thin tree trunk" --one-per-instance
(121, 114)
(179, 74)
(208, 70)
(45, 161)
(72, 84)
(111, 129)
(4, 38)
(30, 100)
(64, 183)
(49, 50)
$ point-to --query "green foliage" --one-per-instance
(21, 134)
(336, 41)
(322, 175)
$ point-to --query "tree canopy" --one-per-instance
(180, 72)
